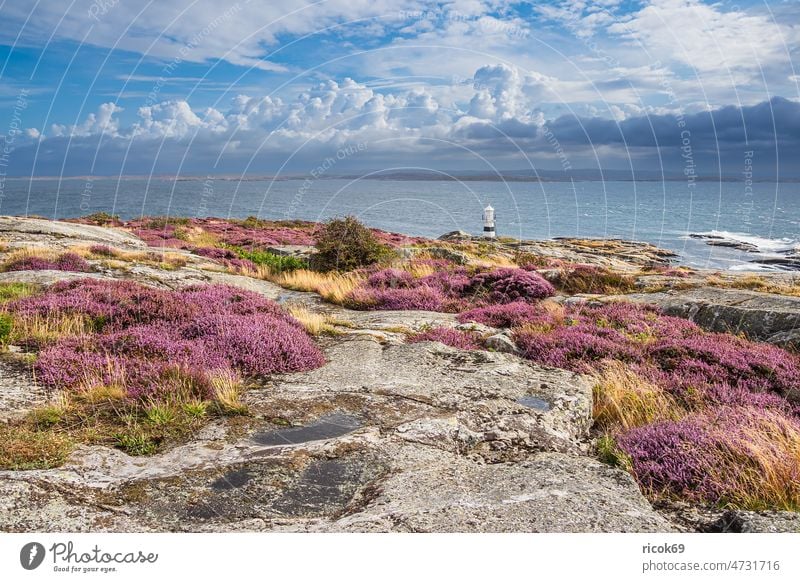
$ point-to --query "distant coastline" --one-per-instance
(444, 176)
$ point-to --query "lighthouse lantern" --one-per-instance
(488, 222)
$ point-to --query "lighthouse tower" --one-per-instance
(488, 222)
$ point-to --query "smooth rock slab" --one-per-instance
(453, 397)
(552, 492)
(18, 392)
(39, 230)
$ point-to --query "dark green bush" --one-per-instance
(344, 244)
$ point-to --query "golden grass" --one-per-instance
(756, 283)
(492, 261)
(416, 269)
(624, 400)
(197, 236)
(227, 387)
(313, 322)
(332, 286)
(45, 253)
(761, 469)
(44, 329)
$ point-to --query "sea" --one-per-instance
(756, 221)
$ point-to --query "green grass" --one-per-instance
(6, 326)
(136, 443)
(276, 263)
(12, 291)
(609, 453)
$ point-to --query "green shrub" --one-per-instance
(344, 244)
(609, 453)
(276, 263)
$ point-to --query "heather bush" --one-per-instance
(103, 251)
(421, 297)
(725, 359)
(99, 219)
(455, 338)
(729, 456)
(505, 285)
(344, 244)
(64, 262)
(145, 335)
(512, 314)
(390, 279)
(214, 253)
(578, 347)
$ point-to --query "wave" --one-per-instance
(750, 242)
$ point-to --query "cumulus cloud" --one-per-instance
(501, 118)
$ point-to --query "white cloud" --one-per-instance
(707, 38)
(101, 122)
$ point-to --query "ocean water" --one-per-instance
(766, 215)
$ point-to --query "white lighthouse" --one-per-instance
(488, 222)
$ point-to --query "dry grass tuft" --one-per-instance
(313, 322)
(227, 387)
(624, 400)
(23, 448)
(45, 329)
(332, 286)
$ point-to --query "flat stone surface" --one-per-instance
(40, 230)
(18, 392)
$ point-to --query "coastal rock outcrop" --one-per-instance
(760, 316)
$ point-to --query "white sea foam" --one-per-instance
(778, 246)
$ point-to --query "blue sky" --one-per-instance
(106, 87)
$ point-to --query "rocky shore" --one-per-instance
(389, 434)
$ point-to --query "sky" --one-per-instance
(288, 87)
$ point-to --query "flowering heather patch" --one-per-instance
(215, 253)
(512, 314)
(145, 336)
(741, 456)
(455, 338)
(449, 290)
(578, 347)
(506, 285)
(251, 233)
(102, 251)
(390, 279)
(725, 359)
(419, 297)
(64, 262)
